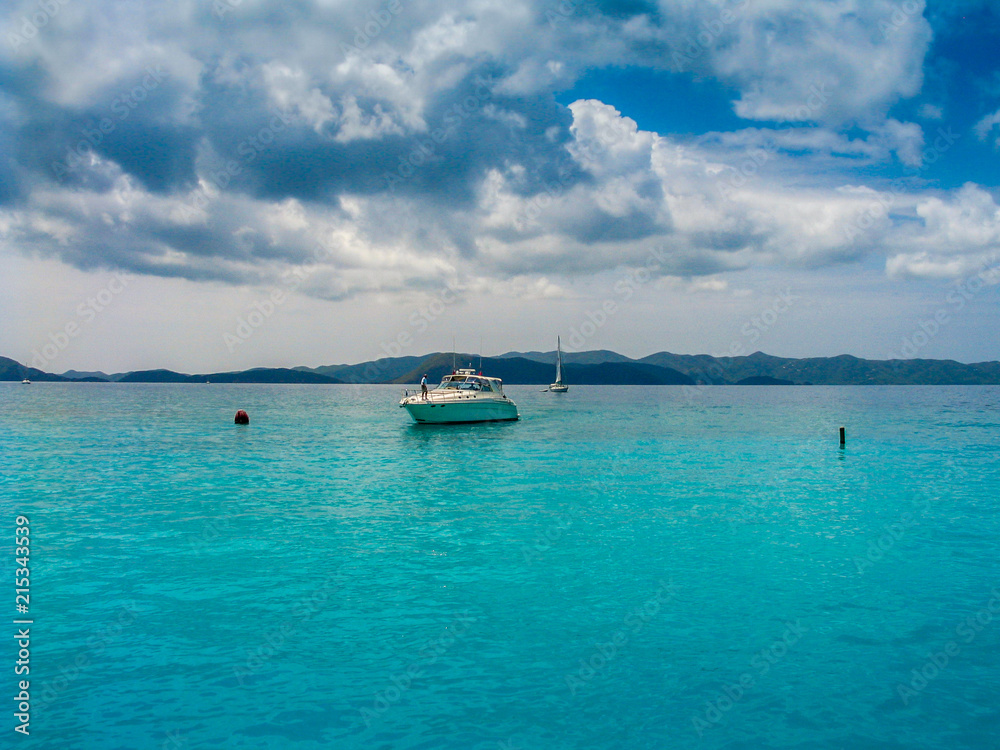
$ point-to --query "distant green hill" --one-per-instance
(593, 357)
(256, 375)
(436, 366)
(375, 371)
(266, 375)
(91, 376)
(841, 370)
(600, 367)
(521, 371)
(12, 370)
(624, 373)
(154, 376)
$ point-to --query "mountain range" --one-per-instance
(600, 367)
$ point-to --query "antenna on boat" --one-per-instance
(480, 355)
(453, 366)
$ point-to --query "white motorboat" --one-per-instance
(25, 382)
(558, 386)
(463, 396)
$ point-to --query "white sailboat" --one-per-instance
(558, 386)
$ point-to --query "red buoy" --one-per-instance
(242, 417)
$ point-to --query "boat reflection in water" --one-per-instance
(464, 396)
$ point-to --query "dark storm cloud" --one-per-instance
(130, 123)
(466, 133)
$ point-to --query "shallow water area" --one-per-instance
(625, 567)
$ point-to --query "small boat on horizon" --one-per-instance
(463, 396)
(558, 386)
(25, 382)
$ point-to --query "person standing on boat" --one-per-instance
(423, 386)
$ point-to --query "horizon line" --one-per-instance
(506, 354)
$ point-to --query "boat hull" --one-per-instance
(461, 412)
(558, 388)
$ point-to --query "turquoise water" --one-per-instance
(625, 567)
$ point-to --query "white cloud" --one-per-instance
(290, 91)
(959, 232)
(355, 124)
(906, 139)
(969, 219)
(931, 112)
(827, 62)
(642, 191)
(606, 143)
(986, 126)
(710, 284)
(687, 199)
(546, 191)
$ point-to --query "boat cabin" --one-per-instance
(469, 380)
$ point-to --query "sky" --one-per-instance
(221, 184)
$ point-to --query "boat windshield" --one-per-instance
(463, 383)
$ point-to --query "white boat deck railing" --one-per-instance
(453, 395)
